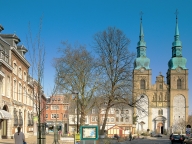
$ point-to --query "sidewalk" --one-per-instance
(50, 138)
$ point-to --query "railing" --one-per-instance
(4, 56)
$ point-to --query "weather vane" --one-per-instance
(141, 13)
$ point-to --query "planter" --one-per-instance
(67, 139)
(101, 136)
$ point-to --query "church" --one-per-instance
(161, 107)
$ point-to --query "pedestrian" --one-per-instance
(130, 136)
(19, 136)
(171, 136)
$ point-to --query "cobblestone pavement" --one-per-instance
(50, 138)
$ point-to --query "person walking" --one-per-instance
(130, 136)
(19, 136)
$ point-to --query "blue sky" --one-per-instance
(79, 20)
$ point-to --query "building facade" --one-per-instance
(57, 108)
(16, 88)
(161, 107)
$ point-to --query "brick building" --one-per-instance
(57, 112)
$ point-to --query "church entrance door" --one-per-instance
(160, 128)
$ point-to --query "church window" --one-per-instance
(160, 112)
(165, 97)
(142, 84)
(179, 84)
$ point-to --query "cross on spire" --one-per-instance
(176, 13)
(141, 13)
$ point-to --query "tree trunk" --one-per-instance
(105, 121)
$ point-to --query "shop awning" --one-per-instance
(5, 115)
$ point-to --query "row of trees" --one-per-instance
(106, 72)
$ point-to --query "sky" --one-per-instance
(78, 21)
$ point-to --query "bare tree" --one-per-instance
(37, 57)
(116, 65)
(76, 71)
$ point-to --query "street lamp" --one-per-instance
(77, 100)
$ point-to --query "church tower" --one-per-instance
(141, 83)
(177, 81)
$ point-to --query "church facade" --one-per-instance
(161, 107)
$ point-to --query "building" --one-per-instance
(17, 101)
(163, 106)
(57, 112)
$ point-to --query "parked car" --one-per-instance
(175, 138)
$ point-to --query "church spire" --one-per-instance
(141, 61)
(141, 42)
(177, 60)
(176, 42)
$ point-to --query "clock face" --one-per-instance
(178, 69)
(142, 70)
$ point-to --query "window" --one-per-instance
(20, 92)
(121, 119)
(8, 86)
(179, 84)
(15, 68)
(127, 111)
(117, 111)
(3, 86)
(25, 76)
(112, 119)
(54, 116)
(47, 107)
(20, 73)
(14, 90)
(46, 116)
(93, 111)
(160, 112)
(117, 119)
(54, 107)
(65, 115)
(65, 107)
(142, 84)
(24, 94)
(160, 86)
(94, 118)
(127, 119)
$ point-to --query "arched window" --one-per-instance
(142, 84)
(179, 84)
(160, 112)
